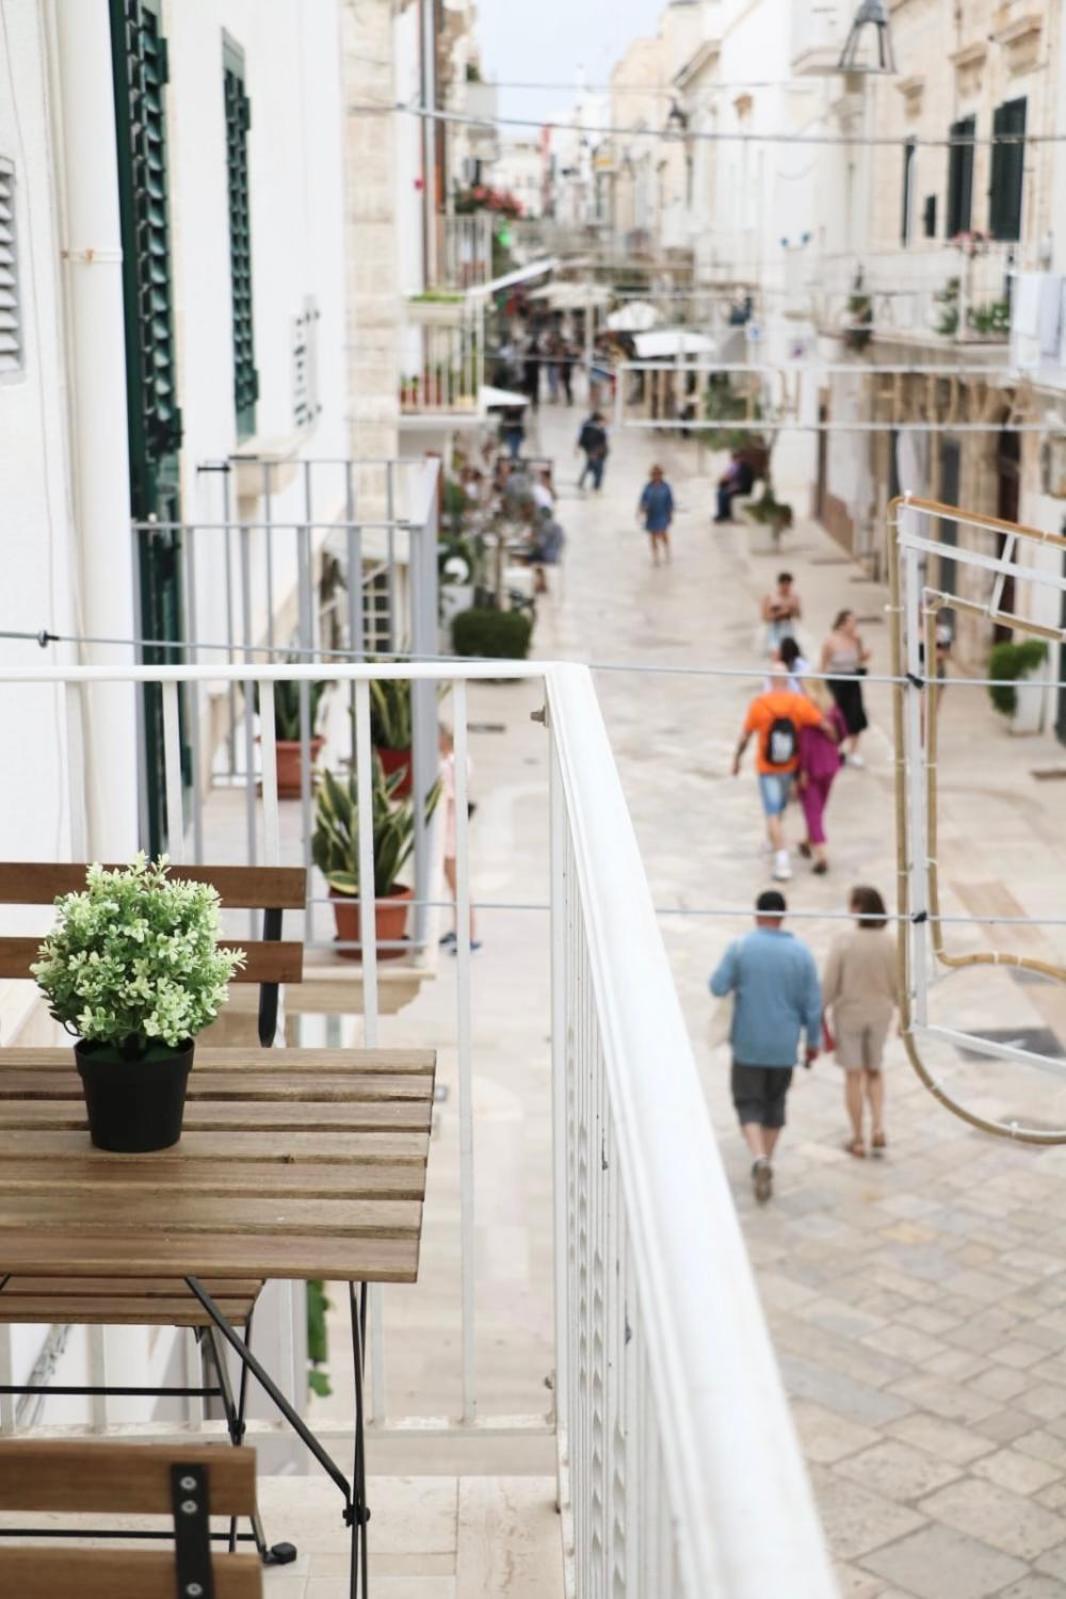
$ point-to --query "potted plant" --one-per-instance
(134, 969)
(390, 729)
(1023, 705)
(335, 851)
(490, 633)
(287, 731)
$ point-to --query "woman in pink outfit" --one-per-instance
(819, 762)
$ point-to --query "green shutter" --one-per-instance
(141, 77)
(960, 176)
(1008, 168)
(238, 121)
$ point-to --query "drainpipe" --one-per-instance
(87, 180)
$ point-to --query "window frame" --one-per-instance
(910, 189)
(958, 215)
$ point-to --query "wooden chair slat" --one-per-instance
(281, 1060)
(278, 962)
(96, 1311)
(119, 1479)
(240, 887)
(144, 1287)
(300, 1257)
(80, 1573)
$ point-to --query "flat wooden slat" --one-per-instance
(280, 962)
(81, 1173)
(249, 1058)
(240, 887)
(230, 1148)
(186, 1212)
(144, 1287)
(205, 1084)
(205, 1116)
(79, 1573)
(95, 1311)
(354, 1259)
(119, 1479)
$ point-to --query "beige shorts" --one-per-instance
(861, 1048)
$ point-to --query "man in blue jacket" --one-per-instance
(776, 997)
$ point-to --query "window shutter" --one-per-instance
(11, 350)
(908, 193)
(960, 177)
(1008, 169)
(238, 122)
(146, 74)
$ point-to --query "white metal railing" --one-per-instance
(464, 250)
(449, 368)
(672, 1427)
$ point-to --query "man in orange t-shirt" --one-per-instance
(775, 717)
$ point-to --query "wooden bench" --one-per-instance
(270, 961)
(188, 1483)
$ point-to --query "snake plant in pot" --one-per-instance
(287, 731)
(391, 729)
(335, 850)
(133, 968)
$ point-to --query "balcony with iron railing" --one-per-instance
(937, 296)
(585, 1308)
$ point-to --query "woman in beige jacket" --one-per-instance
(860, 992)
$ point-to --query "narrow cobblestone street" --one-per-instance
(918, 1305)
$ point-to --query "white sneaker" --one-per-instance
(782, 869)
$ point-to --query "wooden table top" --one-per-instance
(294, 1163)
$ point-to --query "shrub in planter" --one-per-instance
(1013, 661)
(335, 851)
(492, 634)
(134, 970)
(287, 730)
(391, 728)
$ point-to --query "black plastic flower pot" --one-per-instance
(134, 1106)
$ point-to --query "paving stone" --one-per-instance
(947, 1399)
(999, 1382)
(827, 1437)
(1022, 1474)
(941, 1438)
(1054, 1563)
(855, 1584)
(1054, 1497)
(905, 1342)
(855, 1401)
(1005, 1426)
(957, 1365)
(902, 1472)
(1042, 1444)
(1018, 1526)
(857, 1521)
(1019, 1354)
(1031, 1587)
(941, 1563)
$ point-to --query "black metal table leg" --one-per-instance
(355, 1511)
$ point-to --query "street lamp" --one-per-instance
(863, 53)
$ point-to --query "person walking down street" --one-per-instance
(592, 441)
(566, 367)
(781, 610)
(776, 999)
(845, 655)
(775, 717)
(791, 657)
(531, 371)
(819, 763)
(655, 512)
(512, 433)
(861, 995)
(737, 479)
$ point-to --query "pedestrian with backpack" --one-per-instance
(775, 718)
(592, 441)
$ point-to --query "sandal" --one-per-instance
(856, 1147)
(878, 1145)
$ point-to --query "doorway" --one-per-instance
(1008, 500)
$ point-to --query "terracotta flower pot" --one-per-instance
(288, 754)
(390, 923)
(397, 761)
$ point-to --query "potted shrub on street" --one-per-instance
(133, 968)
(390, 729)
(492, 634)
(335, 850)
(287, 731)
(1024, 705)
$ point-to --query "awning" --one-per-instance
(636, 317)
(668, 343)
(526, 274)
(573, 296)
(490, 399)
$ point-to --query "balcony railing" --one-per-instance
(942, 294)
(443, 359)
(464, 250)
(668, 1414)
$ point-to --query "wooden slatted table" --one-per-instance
(294, 1163)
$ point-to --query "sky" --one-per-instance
(548, 41)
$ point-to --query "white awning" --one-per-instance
(637, 317)
(526, 274)
(490, 399)
(668, 343)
